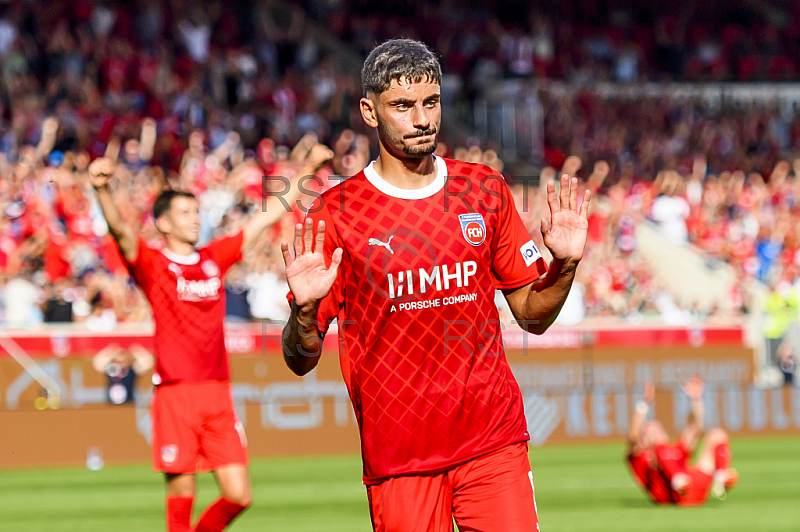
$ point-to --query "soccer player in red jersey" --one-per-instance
(664, 468)
(640, 456)
(407, 256)
(194, 423)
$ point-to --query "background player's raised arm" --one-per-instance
(275, 208)
(100, 171)
(696, 424)
(638, 418)
(309, 281)
(536, 305)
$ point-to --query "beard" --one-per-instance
(399, 142)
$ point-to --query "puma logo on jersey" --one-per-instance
(376, 242)
(200, 289)
(174, 268)
(406, 282)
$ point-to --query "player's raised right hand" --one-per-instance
(693, 388)
(100, 171)
(308, 278)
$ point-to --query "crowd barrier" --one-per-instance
(579, 385)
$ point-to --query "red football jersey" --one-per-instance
(420, 338)
(187, 296)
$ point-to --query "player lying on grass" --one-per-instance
(663, 468)
(408, 255)
(194, 423)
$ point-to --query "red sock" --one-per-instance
(179, 514)
(722, 456)
(217, 516)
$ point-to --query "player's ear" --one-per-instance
(368, 110)
(162, 224)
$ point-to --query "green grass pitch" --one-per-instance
(578, 488)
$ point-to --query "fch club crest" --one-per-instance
(210, 268)
(169, 454)
(473, 228)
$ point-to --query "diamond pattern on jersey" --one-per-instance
(188, 305)
(431, 385)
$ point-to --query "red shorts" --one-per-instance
(493, 493)
(674, 458)
(698, 490)
(195, 428)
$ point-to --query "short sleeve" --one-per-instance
(517, 261)
(332, 303)
(226, 250)
(142, 267)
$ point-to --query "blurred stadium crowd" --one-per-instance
(586, 40)
(212, 96)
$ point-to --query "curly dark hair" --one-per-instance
(399, 59)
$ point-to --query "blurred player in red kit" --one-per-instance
(664, 468)
(407, 256)
(195, 426)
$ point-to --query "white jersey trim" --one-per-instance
(186, 260)
(404, 193)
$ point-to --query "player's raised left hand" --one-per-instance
(565, 230)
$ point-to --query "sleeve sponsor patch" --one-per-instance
(530, 253)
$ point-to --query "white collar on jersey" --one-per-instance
(186, 260)
(405, 193)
